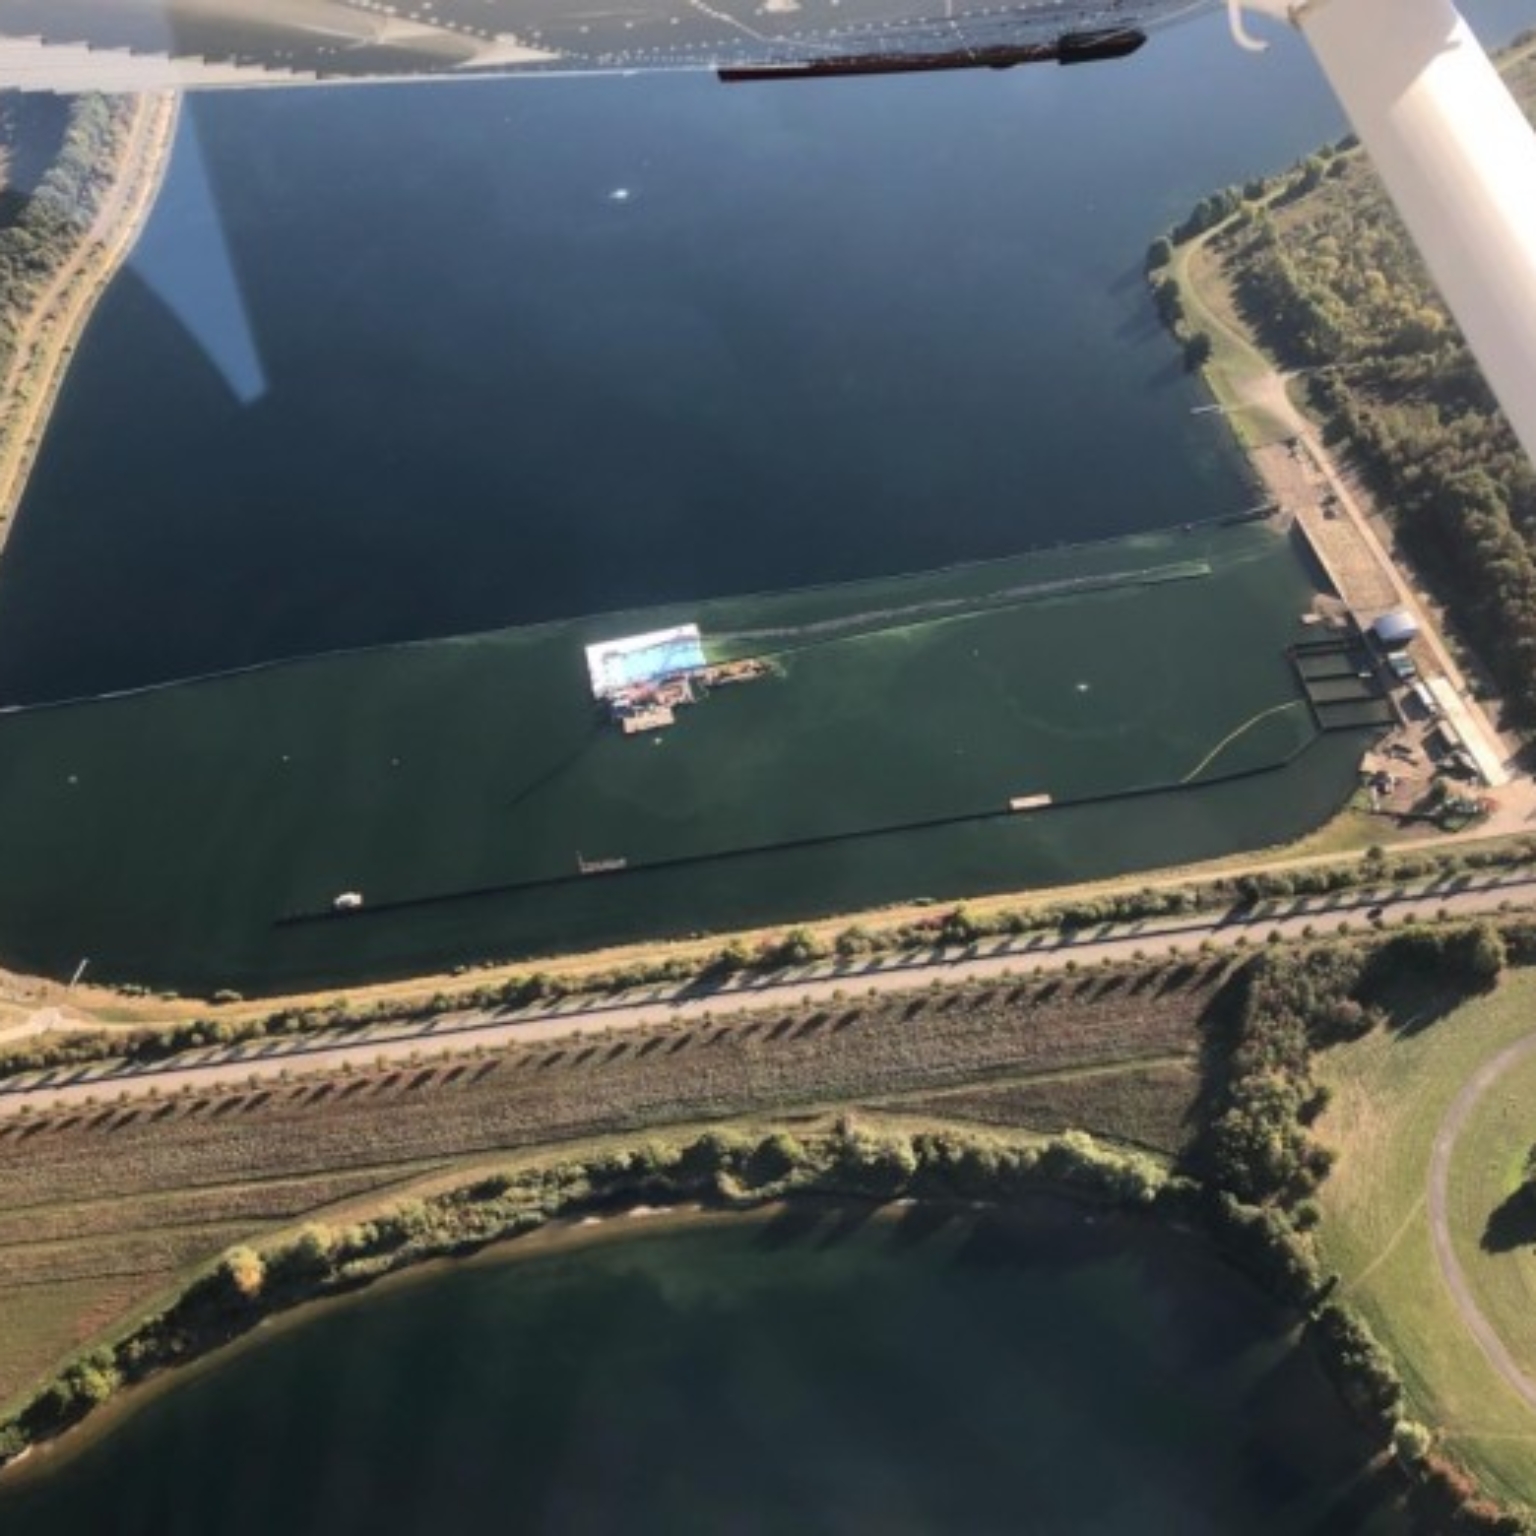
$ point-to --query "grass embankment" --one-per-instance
(103, 1211)
(1391, 1094)
(1242, 380)
(909, 931)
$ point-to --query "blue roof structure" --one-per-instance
(1396, 629)
(634, 660)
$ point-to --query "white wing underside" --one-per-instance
(149, 44)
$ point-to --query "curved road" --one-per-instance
(1451, 1270)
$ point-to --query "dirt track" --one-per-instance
(1499, 1356)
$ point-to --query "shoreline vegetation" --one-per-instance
(1246, 1170)
(1303, 289)
(724, 1170)
(770, 956)
(731, 1172)
(60, 247)
(1306, 285)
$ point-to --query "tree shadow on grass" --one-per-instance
(1511, 1224)
(1412, 999)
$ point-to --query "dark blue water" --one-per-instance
(402, 362)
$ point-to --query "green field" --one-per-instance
(1392, 1091)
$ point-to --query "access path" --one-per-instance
(1450, 1266)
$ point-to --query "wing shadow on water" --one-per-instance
(194, 271)
(137, 561)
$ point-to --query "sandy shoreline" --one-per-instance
(47, 338)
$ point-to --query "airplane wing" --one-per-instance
(146, 44)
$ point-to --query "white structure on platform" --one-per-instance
(1455, 153)
(638, 660)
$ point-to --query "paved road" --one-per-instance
(573, 1017)
(1451, 1270)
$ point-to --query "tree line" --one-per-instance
(1248, 1181)
(953, 927)
(42, 221)
(1326, 276)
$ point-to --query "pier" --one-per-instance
(656, 717)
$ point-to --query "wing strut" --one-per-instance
(1458, 159)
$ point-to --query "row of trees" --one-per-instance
(1261, 1163)
(41, 224)
(951, 927)
(247, 1284)
(1331, 283)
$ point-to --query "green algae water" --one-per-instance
(817, 1372)
(398, 374)
(461, 785)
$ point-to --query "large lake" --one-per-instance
(813, 1373)
(401, 362)
(544, 361)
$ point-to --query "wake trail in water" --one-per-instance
(875, 620)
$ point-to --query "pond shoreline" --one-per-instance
(928, 1180)
(49, 334)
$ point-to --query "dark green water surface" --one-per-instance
(455, 378)
(814, 1373)
(167, 834)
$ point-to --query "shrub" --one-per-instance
(1360, 1365)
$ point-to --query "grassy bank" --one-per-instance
(62, 239)
(1241, 379)
(911, 932)
(247, 1284)
(1391, 1094)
